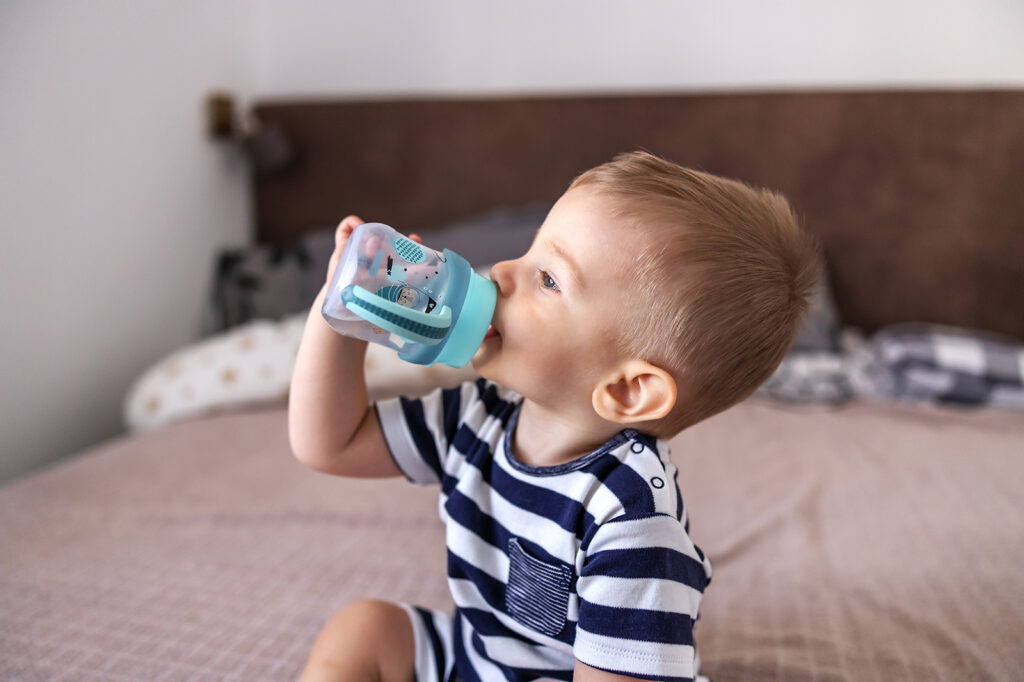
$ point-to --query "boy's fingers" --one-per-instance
(345, 229)
(341, 235)
(416, 238)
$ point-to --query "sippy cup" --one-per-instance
(429, 306)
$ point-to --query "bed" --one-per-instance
(863, 511)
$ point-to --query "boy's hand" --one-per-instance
(341, 236)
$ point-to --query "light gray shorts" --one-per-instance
(432, 630)
(435, 657)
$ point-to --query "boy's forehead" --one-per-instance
(586, 231)
(579, 214)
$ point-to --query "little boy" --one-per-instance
(652, 298)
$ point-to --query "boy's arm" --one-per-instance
(584, 673)
(332, 427)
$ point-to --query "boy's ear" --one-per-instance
(636, 391)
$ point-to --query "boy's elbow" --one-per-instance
(306, 449)
(320, 465)
(326, 450)
(317, 454)
(300, 451)
(314, 458)
(300, 439)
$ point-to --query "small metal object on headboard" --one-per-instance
(916, 196)
(267, 147)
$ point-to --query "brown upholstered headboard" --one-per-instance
(918, 197)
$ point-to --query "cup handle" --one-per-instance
(411, 325)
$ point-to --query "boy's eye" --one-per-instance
(546, 281)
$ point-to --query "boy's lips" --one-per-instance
(491, 333)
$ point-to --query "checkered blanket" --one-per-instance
(909, 361)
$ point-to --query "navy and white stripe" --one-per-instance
(589, 560)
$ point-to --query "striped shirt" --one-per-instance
(585, 560)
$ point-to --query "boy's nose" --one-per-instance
(501, 275)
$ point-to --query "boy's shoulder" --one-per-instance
(638, 473)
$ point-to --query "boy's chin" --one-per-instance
(484, 358)
(482, 364)
(486, 365)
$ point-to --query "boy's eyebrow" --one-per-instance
(562, 253)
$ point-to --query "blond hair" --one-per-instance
(725, 275)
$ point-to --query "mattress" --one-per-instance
(873, 541)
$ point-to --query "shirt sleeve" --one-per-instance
(418, 431)
(639, 588)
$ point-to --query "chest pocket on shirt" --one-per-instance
(537, 594)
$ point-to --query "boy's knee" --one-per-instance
(372, 616)
(370, 639)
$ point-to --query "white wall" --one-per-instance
(317, 47)
(111, 203)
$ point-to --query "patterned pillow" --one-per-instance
(941, 363)
(809, 377)
(247, 366)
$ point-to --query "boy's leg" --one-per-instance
(366, 640)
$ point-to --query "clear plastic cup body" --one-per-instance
(392, 291)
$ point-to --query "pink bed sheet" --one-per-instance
(869, 542)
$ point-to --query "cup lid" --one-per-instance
(471, 325)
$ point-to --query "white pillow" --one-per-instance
(251, 365)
